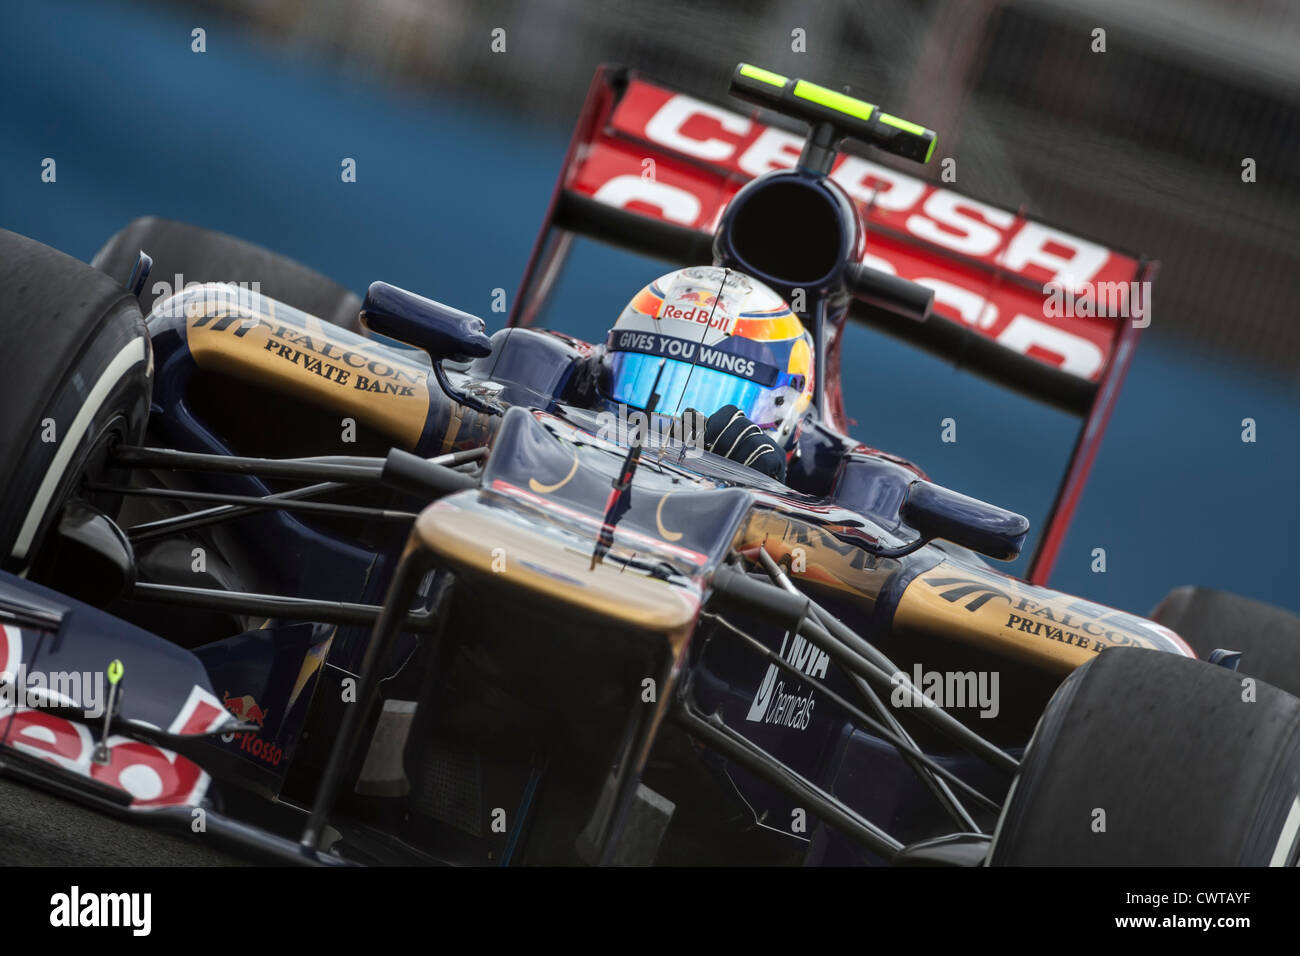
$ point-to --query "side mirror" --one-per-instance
(937, 512)
(441, 331)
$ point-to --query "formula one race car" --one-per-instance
(299, 577)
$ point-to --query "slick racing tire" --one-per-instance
(202, 255)
(1268, 637)
(1144, 758)
(75, 376)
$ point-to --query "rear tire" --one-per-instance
(203, 255)
(1268, 637)
(75, 378)
(1165, 753)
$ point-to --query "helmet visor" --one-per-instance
(683, 386)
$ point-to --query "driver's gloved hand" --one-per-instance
(730, 434)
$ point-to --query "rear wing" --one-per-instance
(1030, 307)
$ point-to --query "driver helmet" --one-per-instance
(725, 338)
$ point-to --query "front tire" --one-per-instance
(75, 376)
(1150, 759)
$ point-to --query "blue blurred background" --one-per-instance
(456, 157)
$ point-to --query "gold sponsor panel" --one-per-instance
(1038, 626)
(290, 351)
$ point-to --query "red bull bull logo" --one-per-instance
(245, 708)
(706, 299)
(248, 710)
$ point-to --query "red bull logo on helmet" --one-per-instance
(712, 317)
(705, 299)
(688, 302)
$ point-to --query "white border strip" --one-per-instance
(1290, 830)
